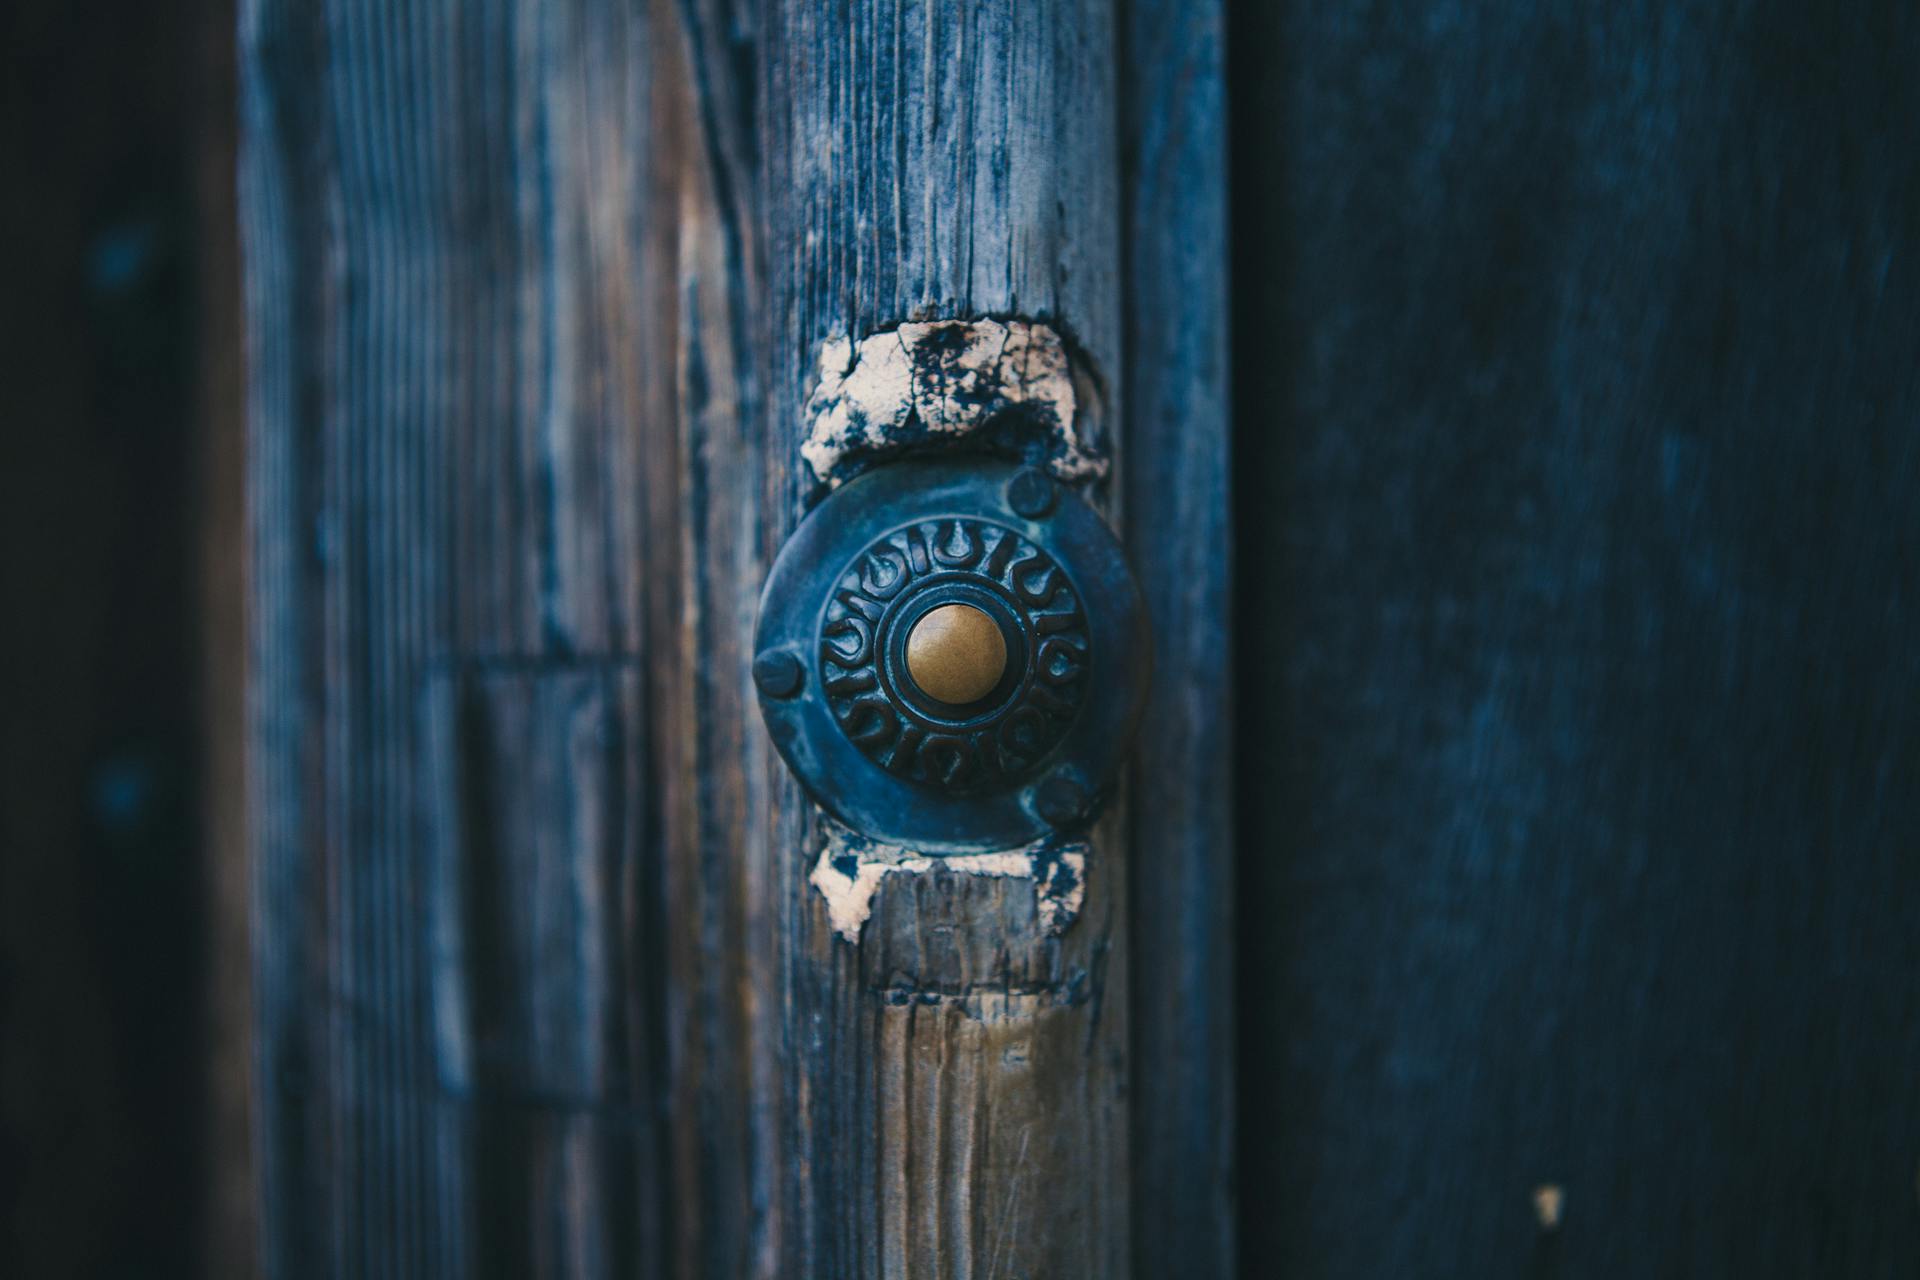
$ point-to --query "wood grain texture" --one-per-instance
(456, 883)
(706, 485)
(1175, 470)
(956, 1082)
(535, 294)
(1579, 491)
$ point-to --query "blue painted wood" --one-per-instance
(956, 1091)
(1580, 491)
(453, 763)
(535, 293)
(1179, 522)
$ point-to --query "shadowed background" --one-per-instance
(122, 960)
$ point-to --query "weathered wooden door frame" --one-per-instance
(536, 297)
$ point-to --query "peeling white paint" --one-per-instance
(849, 897)
(851, 868)
(946, 379)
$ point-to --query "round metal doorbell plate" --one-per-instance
(952, 656)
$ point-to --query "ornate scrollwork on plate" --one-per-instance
(898, 579)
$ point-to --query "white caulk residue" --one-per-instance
(945, 379)
(850, 871)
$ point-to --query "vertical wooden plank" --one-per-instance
(279, 205)
(956, 1081)
(705, 481)
(1580, 394)
(705, 499)
(1179, 519)
(444, 232)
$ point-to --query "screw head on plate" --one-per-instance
(1060, 801)
(777, 674)
(1032, 494)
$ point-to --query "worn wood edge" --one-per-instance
(931, 165)
(1175, 478)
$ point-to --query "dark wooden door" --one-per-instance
(1581, 341)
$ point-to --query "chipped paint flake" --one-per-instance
(945, 380)
(851, 868)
